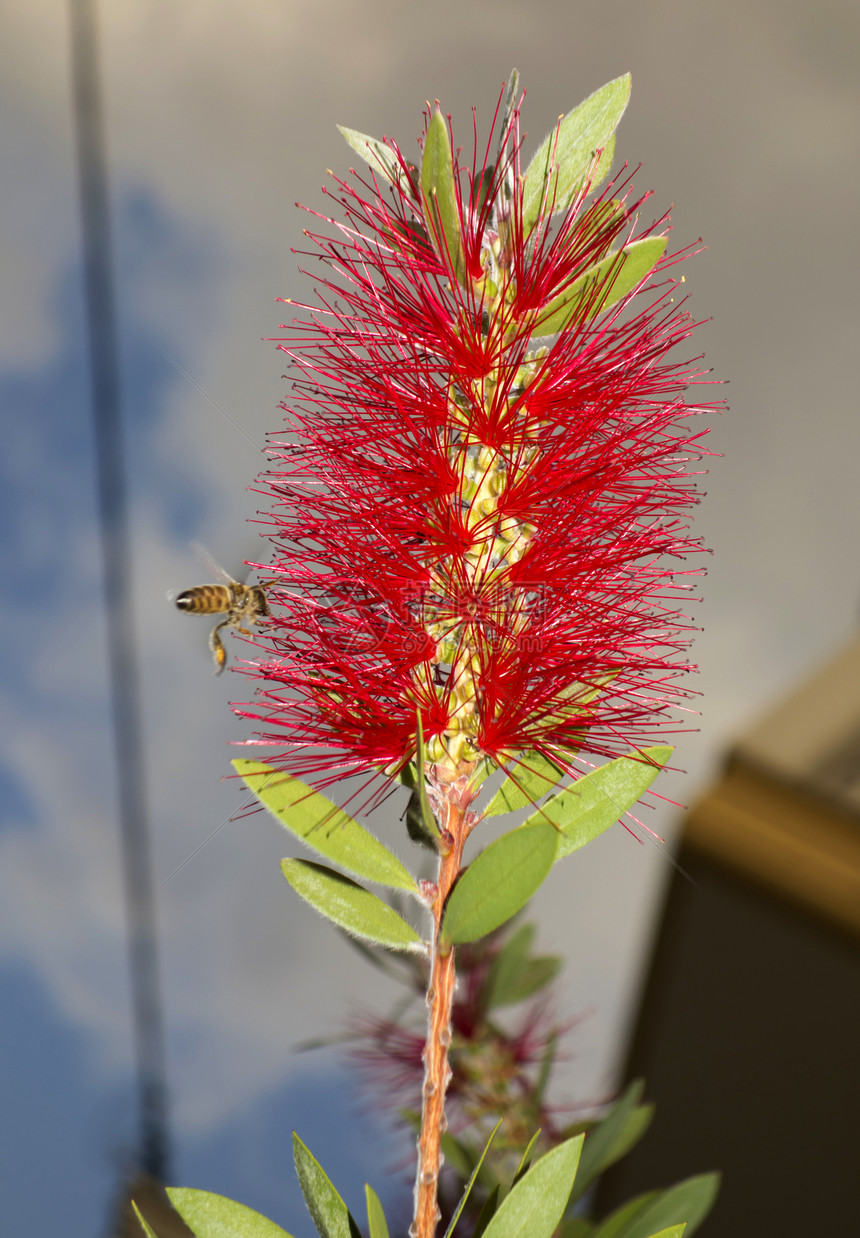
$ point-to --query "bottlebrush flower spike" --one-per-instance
(479, 512)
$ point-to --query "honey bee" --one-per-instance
(241, 604)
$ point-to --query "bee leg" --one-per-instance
(219, 653)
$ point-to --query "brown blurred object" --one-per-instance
(787, 811)
(153, 1203)
(749, 1029)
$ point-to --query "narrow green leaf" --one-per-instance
(536, 1204)
(380, 157)
(376, 1222)
(526, 1158)
(418, 803)
(457, 1154)
(472, 1179)
(350, 906)
(144, 1224)
(637, 1125)
(617, 1224)
(498, 882)
(483, 770)
(546, 1065)
(689, 1201)
(431, 826)
(600, 1141)
(531, 778)
(407, 775)
(324, 827)
(213, 1216)
(489, 1209)
(674, 1231)
(563, 160)
(573, 699)
(594, 803)
(328, 1211)
(601, 286)
(439, 197)
(508, 966)
(541, 971)
(514, 974)
(415, 826)
(601, 224)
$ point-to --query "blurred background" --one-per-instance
(218, 119)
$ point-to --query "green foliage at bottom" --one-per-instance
(213, 1216)
(686, 1202)
(537, 1202)
(328, 1211)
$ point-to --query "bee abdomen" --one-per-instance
(204, 599)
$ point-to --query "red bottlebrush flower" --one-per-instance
(480, 509)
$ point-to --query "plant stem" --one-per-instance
(440, 999)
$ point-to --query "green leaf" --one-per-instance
(328, 1211)
(637, 1125)
(557, 172)
(440, 200)
(324, 827)
(609, 1138)
(535, 1206)
(601, 225)
(689, 1201)
(431, 826)
(483, 770)
(572, 700)
(350, 906)
(380, 157)
(457, 1154)
(376, 1222)
(213, 1216)
(508, 968)
(415, 826)
(594, 803)
(472, 1179)
(498, 882)
(601, 286)
(546, 1065)
(532, 778)
(488, 1211)
(144, 1224)
(541, 971)
(406, 775)
(617, 1223)
(674, 1231)
(526, 1158)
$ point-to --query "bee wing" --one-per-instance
(217, 570)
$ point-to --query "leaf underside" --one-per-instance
(324, 827)
(350, 906)
(328, 1212)
(535, 1206)
(213, 1216)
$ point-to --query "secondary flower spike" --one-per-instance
(479, 512)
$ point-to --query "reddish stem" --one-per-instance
(440, 999)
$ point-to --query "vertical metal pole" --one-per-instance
(113, 519)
